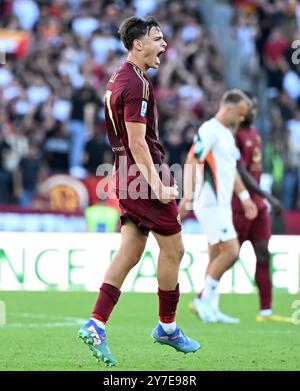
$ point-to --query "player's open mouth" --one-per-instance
(158, 55)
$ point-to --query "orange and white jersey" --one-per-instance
(215, 147)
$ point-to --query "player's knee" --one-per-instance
(262, 252)
(174, 253)
(138, 254)
(180, 252)
(263, 255)
(233, 252)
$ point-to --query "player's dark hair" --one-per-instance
(134, 28)
(247, 123)
(234, 96)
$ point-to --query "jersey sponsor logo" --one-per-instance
(118, 149)
(248, 143)
(143, 108)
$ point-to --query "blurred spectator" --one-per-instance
(56, 149)
(5, 175)
(84, 104)
(28, 175)
(97, 151)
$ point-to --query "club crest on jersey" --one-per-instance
(143, 108)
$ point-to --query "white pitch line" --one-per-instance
(63, 321)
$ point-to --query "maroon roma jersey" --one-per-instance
(249, 143)
(129, 98)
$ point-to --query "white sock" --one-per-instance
(216, 299)
(210, 288)
(99, 323)
(267, 312)
(169, 328)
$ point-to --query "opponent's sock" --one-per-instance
(107, 299)
(264, 284)
(99, 323)
(169, 328)
(168, 301)
(210, 289)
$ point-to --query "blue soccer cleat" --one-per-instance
(95, 338)
(178, 340)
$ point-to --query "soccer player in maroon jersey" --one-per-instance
(257, 231)
(147, 197)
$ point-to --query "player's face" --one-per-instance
(237, 114)
(153, 46)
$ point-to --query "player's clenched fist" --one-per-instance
(167, 194)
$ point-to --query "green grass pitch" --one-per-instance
(41, 334)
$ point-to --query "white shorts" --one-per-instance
(216, 222)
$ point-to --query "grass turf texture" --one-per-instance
(38, 340)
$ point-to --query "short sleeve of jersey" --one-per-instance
(135, 99)
(204, 141)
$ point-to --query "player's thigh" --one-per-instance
(230, 247)
(170, 245)
(133, 241)
(213, 251)
(242, 226)
(261, 227)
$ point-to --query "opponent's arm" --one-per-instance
(248, 205)
(189, 179)
(140, 151)
(251, 184)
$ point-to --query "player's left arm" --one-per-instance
(251, 184)
(241, 191)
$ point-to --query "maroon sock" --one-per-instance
(107, 299)
(168, 301)
(264, 284)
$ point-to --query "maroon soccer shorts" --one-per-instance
(151, 215)
(253, 230)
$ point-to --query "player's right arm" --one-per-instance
(203, 143)
(136, 132)
(205, 139)
(248, 205)
(135, 100)
(189, 179)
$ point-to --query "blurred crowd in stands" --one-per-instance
(61, 53)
